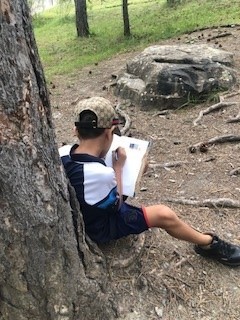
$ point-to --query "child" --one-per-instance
(99, 189)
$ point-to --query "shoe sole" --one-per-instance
(226, 263)
(229, 264)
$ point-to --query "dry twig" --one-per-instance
(210, 203)
(162, 113)
(173, 164)
(180, 262)
(174, 277)
(173, 291)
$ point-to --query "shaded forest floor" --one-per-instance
(167, 280)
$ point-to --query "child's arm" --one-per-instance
(119, 157)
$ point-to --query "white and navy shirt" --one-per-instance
(96, 190)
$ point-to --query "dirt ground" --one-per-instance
(166, 279)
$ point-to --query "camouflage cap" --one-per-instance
(104, 111)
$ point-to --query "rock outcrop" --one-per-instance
(168, 76)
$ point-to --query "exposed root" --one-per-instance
(234, 119)
(214, 27)
(212, 108)
(203, 146)
(235, 172)
(133, 255)
(221, 35)
(210, 203)
(127, 119)
(230, 95)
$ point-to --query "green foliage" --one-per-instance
(151, 21)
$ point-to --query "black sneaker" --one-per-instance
(222, 251)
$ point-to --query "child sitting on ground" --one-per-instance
(99, 189)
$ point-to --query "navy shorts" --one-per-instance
(130, 220)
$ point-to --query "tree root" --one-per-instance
(228, 95)
(221, 35)
(235, 172)
(126, 118)
(133, 255)
(214, 27)
(218, 105)
(212, 108)
(210, 203)
(203, 146)
(234, 119)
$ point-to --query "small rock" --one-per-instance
(159, 312)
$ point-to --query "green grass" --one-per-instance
(62, 52)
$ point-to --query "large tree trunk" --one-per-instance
(81, 18)
(49, 269)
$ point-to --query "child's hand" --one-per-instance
(119, 157)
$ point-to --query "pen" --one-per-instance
(115, 154)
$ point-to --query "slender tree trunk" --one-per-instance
(81, 18)
(126, 24)
(49, 269)
(172, 3)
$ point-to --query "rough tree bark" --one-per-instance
(81, 18)
(49, 269)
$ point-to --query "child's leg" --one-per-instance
(206, 245)
(163, 217)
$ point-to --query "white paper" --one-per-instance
(135, 151)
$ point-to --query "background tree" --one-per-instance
(126, 23)
(49, 270)
(81, 18)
